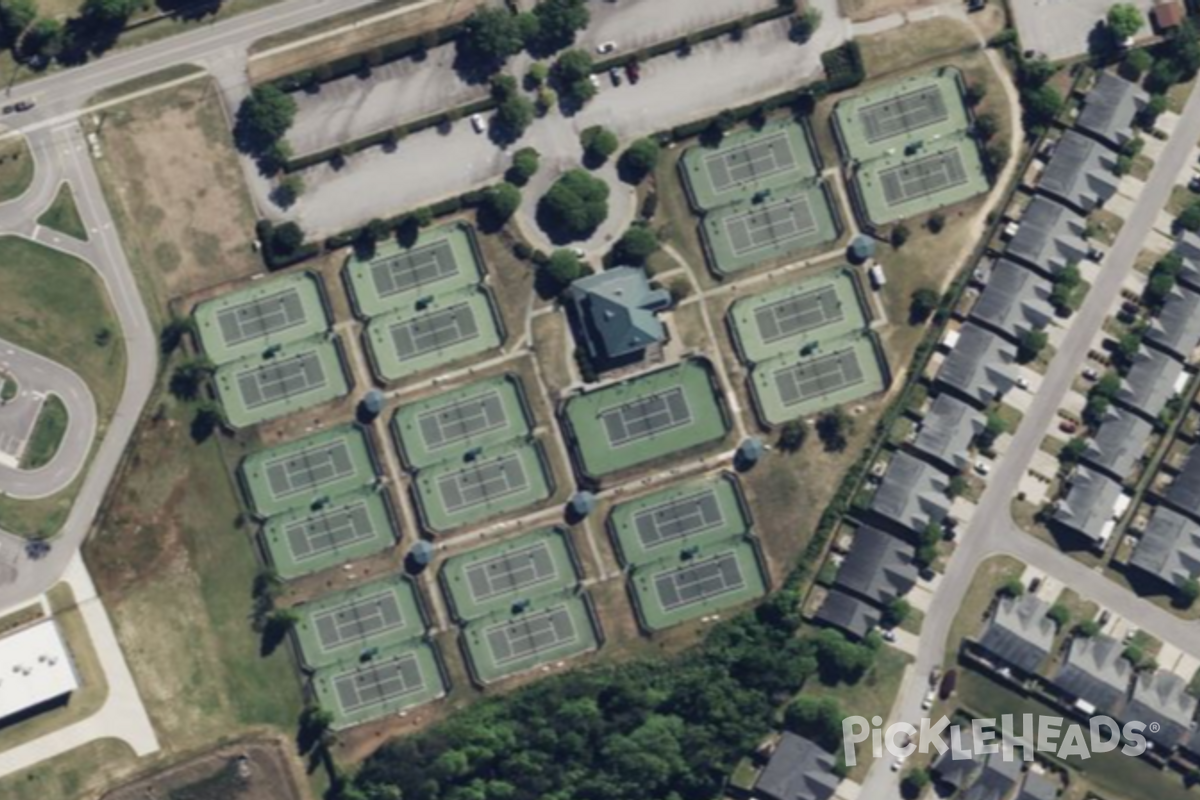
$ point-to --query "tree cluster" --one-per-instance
(492, 35)
(574, 206)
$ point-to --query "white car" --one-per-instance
(898, 763)
(478, 123)
(606, 47)
(982, 467)
(927, 703)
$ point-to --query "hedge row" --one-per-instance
(424, 215)
(843, 67)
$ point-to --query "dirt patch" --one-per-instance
(861, 10)
(256, 770)
(551, 342)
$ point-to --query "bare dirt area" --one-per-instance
(255, 770)
(172, 180)
(862, 10)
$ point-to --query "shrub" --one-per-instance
(263, 118)
(498, 206)
(639, 160)
(843, 67)
(525, 163)
(574, 206)
(563, 267)
(793, 435)
(635, 246)
(900, 234)
(1189, 218)
(599, 143)
(922, 304)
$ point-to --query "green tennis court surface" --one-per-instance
(697, 582)
(481, 485)
(885, 121)
(307, 540)
(442, 260)
(447, 328)
(695, 513)
(824, 307)
(645, 418)
(790, 220)
(839, 371)
(392, 680)
(342, 626)
(747, 162)
(308, 472)
(922, 179)
(540, 632)
(285, 379)
(491, 579)
(247, 322)
(479, 415)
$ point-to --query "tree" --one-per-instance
(1066, 284)
(563, 268)
(793, 435)
(993, 428)
(975, 92)
(921, 305)
(639, 160)
(900, 234)
(1072, 451)
(986, 126)
(1042, 105)
(1088, 629)
(536, 75)
(263, 118)
(1011, 588)
(1125, 20)
(1150, 113)
(525, 163)
(1188, 593)
(599, 143)
(489, 37)
(956, 486)
(1126, 348)
(816, 718)
(1060, 614)
(804, 25)
(1136, 64)
(498, 205)
(108, 13)
(833, 428)
(1123, 166)
(513, 116)
(572, 73)
(897, 612)
(1189, 218)
(635, 246)
(189, 376)
(15, 17)
(1031, 345)
(927, 548)
(1033, 73)
(936, 222)
(916, 780)
(288, 191)
(1183, 49)
(574, 206)
(557, 22)
(44, 39)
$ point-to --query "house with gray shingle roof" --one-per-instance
(879, 567)
(1038, 787)
(799, 769)
(1119, 443)
(1015, 301)
(912, 493)
(1089, 505)
(1049, 237)
(1169, 549)
(1162, 697)
(1150, 382)
(1188, 246)
(616, 310)
(996, 780)
(1097, 673)
(847, 613)
(1080, 173)
(1110, 108)
(1176, 327)
(1019, 634)
(946, 432)
(1184, 492)
(981, 367)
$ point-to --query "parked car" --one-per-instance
(1068, 426)
(927, 703)
(17, 108)
(614, 75)
(605, 48)
(1090, 374)
(478, 123)
(982, 467)
(949, 682)
(934, 675)
(633, 71)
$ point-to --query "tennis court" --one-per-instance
(697, 582)
(483, 484)
(392, 680)
(790, 220)
(836, 372)
(343, 625)
(289, 379)
(645, 418)
(448, 328)
(747, 162)
(442, 260)
(931, 177)
(307, 472)
(350, 526)
(544, 631)
(490, 579)
(270, 313)
(479, 415)
(886, 120)
(698, 512)
(819, 308)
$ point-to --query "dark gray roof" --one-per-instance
(1161, 697)
(1038, 787)
(1176, 329)
(1080, 172)
(878, 567)
(981, 367)
(1110, 108)
(847, 613)
(1119, 443)
(912, 493)
(958, 771)
(996, 780)
(1192, 745)
(616, 309)
(1016, 300)
(798, 770)
(1049, 236)
(1019, 633)
(1087, 508)
(1188, 246)
(1184, 492)
(1150, 382)
(1169, 548)
(946, 432)
(1096, 672)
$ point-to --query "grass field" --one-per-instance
(47, 434)
(63, 215)
(78, 773)
(16, 168)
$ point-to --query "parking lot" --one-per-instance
(632, 24)
(1062, 28)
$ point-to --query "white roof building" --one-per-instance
(35, 668)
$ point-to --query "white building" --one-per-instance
(35, 669)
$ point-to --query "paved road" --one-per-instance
(40, 377)
(992, 530)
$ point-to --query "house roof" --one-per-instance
(1150, 382)
(958, 772)
(35, 668)
(1169, 548)
(1049, 236)
(1119, 442)
(1162, 697)
(616, 309)
(848, 613)
(912, 493)
(1184, 491)
(1019, 633)
(1087, 508)
(981, 367)
(1188, 246)
(878, 567)
(799, 769)
(1015, 300)
(996, 779)
(1176, 328)
(1037, 787)
(1096, 672)
(946, 432)
(1080, 172)
(1168, 14)
(1109, 109)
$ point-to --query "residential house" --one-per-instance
(1169, 550)
(1161, 701)
(1176, 327)
(1090, 507)
(852, 616)
(1184, 492)
(1080, 173)
(1049, 237)
(879, 567)
(1110, 109)
(980, 368)
(1015, 301)
(1019, 634)
(1119, 443)
(799, 769)
(1096, 674)
(912, 493)
(946, 432)
(1152, 380)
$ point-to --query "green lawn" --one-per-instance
(16, 169)
(47, 434)
(63, 215)
(991, 575)
(78, 773)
